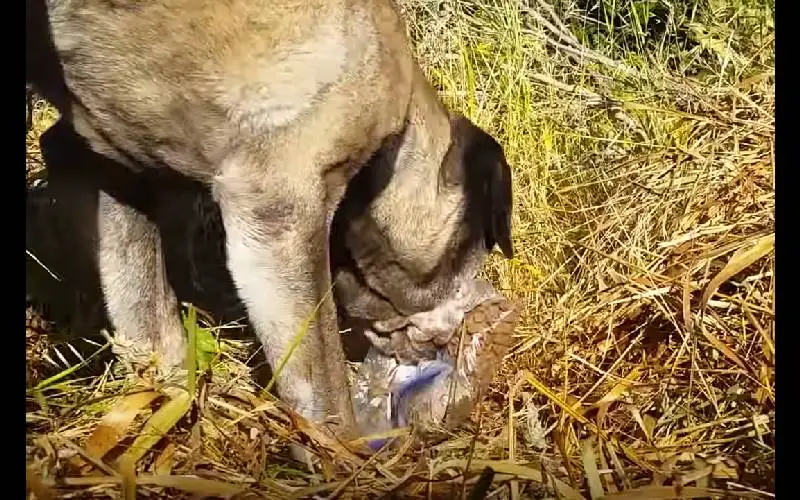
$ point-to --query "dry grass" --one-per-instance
(641, 138)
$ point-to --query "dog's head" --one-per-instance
(421, 217)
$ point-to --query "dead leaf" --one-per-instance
(111, 429)
(619, 388)
(740, 260)
(159, 424)
(723, 471)
(686, 299)
(649, 425)
(634, 457)
(671, 492)
(618, 468)
(542, 388)
(698, 475)
(765, 377)
(165, 460)
(36, 486)
(721, 347)
(127, 470)
(561, 444)
(637, 416)
(608, 480)
(504, 467)
(323, 439)
(590, 468)
(199, 486)
(191, 484)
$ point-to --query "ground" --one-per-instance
(641, 138)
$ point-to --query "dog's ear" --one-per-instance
(501, 203)
(477, 162)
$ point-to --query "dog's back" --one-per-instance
(177, 83)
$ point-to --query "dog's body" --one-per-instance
(275, 106)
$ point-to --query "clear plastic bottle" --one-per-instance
(388, 395)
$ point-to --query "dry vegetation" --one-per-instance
(641, 137)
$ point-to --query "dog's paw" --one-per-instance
(140, 363)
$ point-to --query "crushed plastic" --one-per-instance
(401, 382)
(390, 395)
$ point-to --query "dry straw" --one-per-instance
(644, 229)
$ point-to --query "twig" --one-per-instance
(578, 51)
(339, 489)
(51, 273)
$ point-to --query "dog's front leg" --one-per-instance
(140, 303)
(277, 248)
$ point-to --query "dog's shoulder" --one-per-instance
(216, 74)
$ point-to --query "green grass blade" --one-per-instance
(298, 338)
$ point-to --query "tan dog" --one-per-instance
(278, 107)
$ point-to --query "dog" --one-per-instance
(321, 140)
